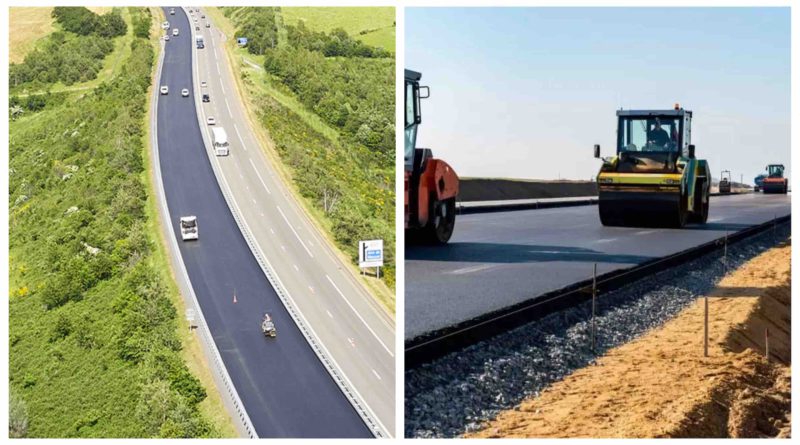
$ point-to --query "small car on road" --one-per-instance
(175, 32)
(185, 92)
(164, 89)
(206, 98)
(211, 120)
(166, 38)
(203, 84)
(208, 25)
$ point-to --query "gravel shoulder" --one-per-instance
(661, 385)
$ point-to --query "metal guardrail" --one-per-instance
(430, 346)
(223, 379)
(311, 337)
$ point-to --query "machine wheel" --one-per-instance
(683, 212)
(442, 221)
(700, 214)
(606, 218)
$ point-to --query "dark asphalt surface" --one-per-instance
(285, 389)
(496, 260)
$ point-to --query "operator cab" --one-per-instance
(775, 170)
(652, 141)
(413, 93)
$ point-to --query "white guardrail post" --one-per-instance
(220, 372)
(344, 384)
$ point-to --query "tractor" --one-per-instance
(775, 182)
(431, 185)
(654, 179)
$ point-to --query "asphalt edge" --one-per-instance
(540, 204)
(221, 377)
(435, 344)
(324, 356)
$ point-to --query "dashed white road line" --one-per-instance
(236, 129)
(295, 232)
(259, 177)
(376, 374)
(359, 316)
(295, 267)
(329, 313)
(227, 105)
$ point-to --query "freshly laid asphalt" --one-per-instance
(496, 260)
(284, 387)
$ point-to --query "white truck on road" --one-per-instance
(220, 140)
(189, 228)
(199, 41)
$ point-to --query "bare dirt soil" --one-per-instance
(661, 385)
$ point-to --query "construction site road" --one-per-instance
(285, 389)
(496, 260)
(355, 332)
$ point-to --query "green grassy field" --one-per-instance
(28, 24)
(376, 21)
(111, 64)
(94, 343)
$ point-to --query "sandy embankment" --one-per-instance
(660, 385)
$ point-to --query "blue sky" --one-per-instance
(526, 92)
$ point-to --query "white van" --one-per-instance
(220, 139)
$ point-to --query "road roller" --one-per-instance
(724, 182)
(775, 182)
(654, 180)
(431, 185)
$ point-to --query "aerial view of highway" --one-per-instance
(196, 255)
(594, 247)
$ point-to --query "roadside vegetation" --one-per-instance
(327, 100)
(93, 347)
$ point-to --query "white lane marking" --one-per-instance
(271, 231)
(605, 240)
(283, 247)
(295, 267)
(352, 343)
(259, 177)
(222, 85)
(311, 289)
(359, 316)
(644, 232)
(254, 201)
(329, 313)
(218, 71)
(236, 129)
(295, 232)
(376, 374)
(229, 108)
(472, 269)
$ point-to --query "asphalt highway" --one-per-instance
(496, 260)
(354, 329)
(285, 389)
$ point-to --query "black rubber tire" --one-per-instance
(606, 217)
(441, 223)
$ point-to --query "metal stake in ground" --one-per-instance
(725, 254)
(705, 328)
(594, 301)
(766, 342)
